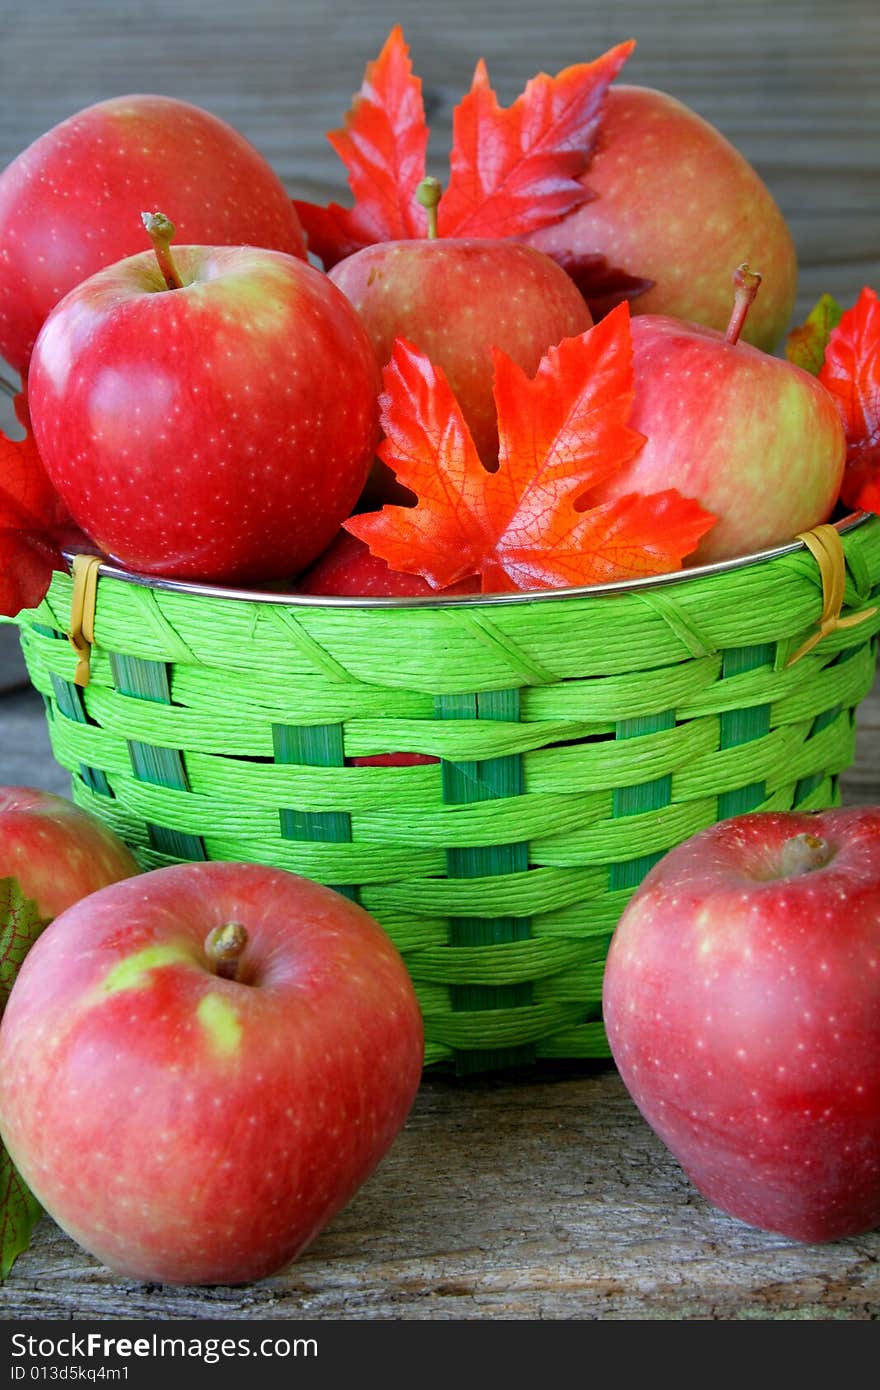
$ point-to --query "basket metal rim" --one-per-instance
(620, 586)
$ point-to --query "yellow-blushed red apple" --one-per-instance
(675, 203)
(742, 1004)
(754, 439)
(200, 1066)
(56, 851)
(455, 298)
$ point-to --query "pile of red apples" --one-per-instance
(207, 409)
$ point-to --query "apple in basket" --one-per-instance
(207, 413)
(742, 1005)
(70, 202)
(755, 440)
(200, 1066)
(675, 204)
(349, 569)
(457, 298)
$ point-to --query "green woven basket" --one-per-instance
(580, 735)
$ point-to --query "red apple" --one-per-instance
(349, 569)
(70, 203)
(213, 421)
(757, 441)
(392, 760)
(456, 299)
(199, 1067)
(57, 852)
(742, 1003)
(677, 204)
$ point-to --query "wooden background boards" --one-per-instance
(541, 1194)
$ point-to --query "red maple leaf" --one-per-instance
(851, 372)
(518, 168)
(32, 522)
(382, 145)
(529, 525)
(514, 169)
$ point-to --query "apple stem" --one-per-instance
(8, 389)
(745, 286)
(224, 947)
(428, 194)
(160, 230)
(802, 853)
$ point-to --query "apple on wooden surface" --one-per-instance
(200, 1066)
(754, 439)
(742, 1005)
(675, 203)
(209, 413)
(455, 298)
(70, 203)
(55, 851)
(52, 854)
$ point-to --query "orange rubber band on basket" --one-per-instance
(826, 547)
(81, 633)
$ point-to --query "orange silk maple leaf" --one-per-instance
(529, 525)
(514, 169)
(851, 372)
(382, 145)
(31, 520)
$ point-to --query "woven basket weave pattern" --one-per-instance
(578, 738)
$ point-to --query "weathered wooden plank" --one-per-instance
(542, 1196)
(12, 672)
(793, 84)
(860, 786)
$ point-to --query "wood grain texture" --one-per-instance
(533, 1197)
(791, 82)
(540, 1194)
